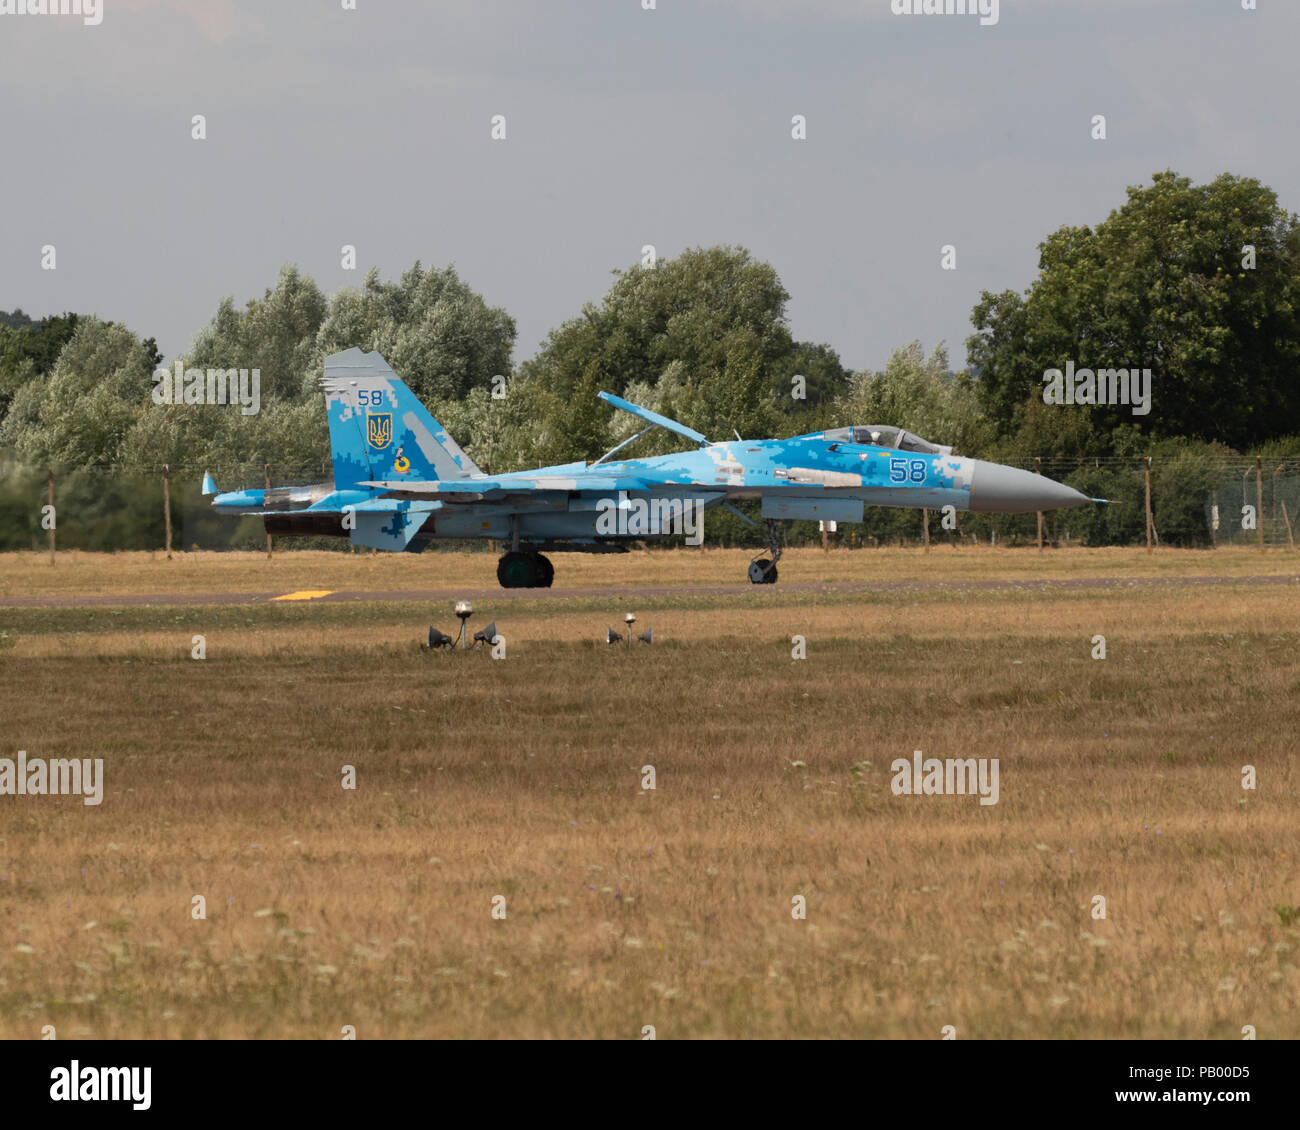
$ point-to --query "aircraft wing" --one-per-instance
(490, 489)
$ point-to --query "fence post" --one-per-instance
(53, 512)
(267, 468)
(1259, 500)
(1276, 471)
(1150, 523)
(167, 507)
(1038, 470)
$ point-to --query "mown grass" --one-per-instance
(75, 572)
(522, 777)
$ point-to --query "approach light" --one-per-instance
(629, 619)
(488, 635)
(464, 610)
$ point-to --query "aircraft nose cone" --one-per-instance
(1009, 490)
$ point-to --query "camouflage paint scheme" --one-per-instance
(406, 481)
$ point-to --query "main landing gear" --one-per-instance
(521, 570)
(762, 570)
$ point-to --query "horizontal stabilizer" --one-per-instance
(391, 530)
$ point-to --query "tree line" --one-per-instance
(1198, 283)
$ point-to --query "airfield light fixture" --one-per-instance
(464, 610)
(488, 635)
(612, 637)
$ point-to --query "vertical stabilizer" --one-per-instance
(379, 430)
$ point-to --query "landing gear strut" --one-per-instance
(522, 570)
(762, 570)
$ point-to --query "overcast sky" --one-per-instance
(624, 127)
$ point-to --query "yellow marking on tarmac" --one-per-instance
(305, 594)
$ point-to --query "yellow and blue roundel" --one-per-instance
(379, 429)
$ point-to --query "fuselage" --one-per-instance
(809, 476)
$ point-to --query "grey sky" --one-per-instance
(625, 127)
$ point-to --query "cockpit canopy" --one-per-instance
(885, 435)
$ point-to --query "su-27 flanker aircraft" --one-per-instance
(400, 481)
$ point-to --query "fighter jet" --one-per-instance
(400, 482)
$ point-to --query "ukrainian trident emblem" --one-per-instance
(379, 429)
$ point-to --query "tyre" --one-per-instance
(515, 570)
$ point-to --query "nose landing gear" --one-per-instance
(762, 570)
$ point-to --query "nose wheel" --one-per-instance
(762, 570)
(520, 570)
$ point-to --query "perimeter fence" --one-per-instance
(1193, 503)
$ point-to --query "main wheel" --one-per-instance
(762, 572)
(545, 572)
(515, 570)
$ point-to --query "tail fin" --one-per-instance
(379, 430)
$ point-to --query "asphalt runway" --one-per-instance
(628, 591)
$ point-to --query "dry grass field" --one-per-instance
(625, 907)
(96, 573)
